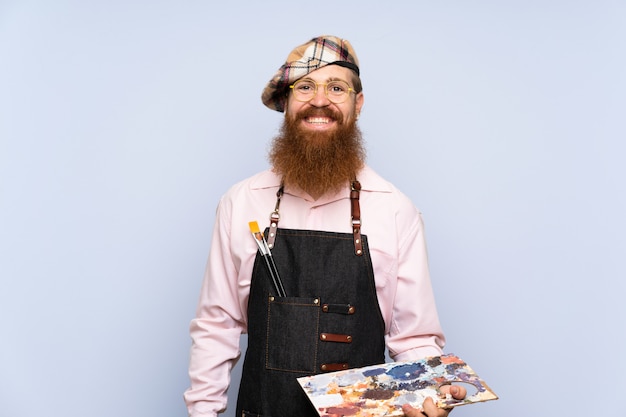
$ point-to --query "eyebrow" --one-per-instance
(327, 80)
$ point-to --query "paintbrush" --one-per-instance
(267, 256)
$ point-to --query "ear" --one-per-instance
(359, 102)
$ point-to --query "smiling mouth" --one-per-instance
(318, 120)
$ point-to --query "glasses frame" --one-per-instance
(316, 84)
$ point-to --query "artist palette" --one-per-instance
(381, 390)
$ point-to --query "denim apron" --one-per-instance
(329, 319)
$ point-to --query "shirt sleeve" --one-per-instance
(415, 331)
(217, 327)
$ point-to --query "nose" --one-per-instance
(320, 99)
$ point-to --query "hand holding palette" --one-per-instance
(381, 390)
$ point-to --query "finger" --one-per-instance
(431, 409)
(411, 411)
(458, 392)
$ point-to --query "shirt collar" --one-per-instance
(370, 181)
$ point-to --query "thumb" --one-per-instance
(458, 392)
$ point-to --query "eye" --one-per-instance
(337, 88)
(304, 87)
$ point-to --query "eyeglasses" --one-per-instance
(336, 91)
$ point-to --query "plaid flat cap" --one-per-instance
(308, 57)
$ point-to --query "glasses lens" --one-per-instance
(337, 91)
(304, 90)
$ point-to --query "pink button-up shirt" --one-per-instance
(395, 233)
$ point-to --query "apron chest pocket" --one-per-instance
(292, 334)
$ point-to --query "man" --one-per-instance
(351, 287)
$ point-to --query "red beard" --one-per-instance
(318, 162)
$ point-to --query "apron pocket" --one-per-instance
(292, 334)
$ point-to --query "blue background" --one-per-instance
(122, 122)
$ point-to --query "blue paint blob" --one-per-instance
(374, 372)
(408, 371)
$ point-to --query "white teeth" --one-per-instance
(318, 120)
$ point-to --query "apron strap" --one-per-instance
(355, 188)
(275, 217)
